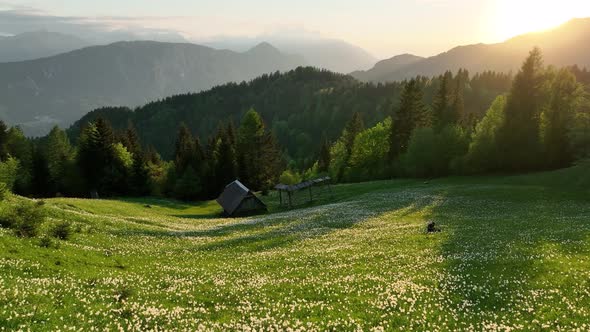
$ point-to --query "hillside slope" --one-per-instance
(60, 89)
(566, 45)
(509, 254)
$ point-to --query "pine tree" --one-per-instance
(565, 96)
(260, 158)
(139, 181)
(458, 107)
(226, 161)
(96, 156)
(59, 155)
(3, 139)
(521, 131)
(349, 134)
(442, 111)
(184, 150)
(410, 115)
(324, 158)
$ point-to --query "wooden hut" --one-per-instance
(236, 200)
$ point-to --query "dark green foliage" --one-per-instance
(521, 129)
(557, 117)
(24, 218)
(61, 230)
(300, 107)
(188, 185)
(442, 112)
(411, 114)
(3, 140)
(259, 158)
(324, 157)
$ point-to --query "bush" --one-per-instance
(3, 191)
(435, 154)
(289, 177)
(24, 218)
(61, 230)
(46, 242)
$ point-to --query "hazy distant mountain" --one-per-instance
(62, 88)
(37, 44)
(386, 66)
(332, 54)
(568, 44)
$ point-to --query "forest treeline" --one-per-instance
(188, 146)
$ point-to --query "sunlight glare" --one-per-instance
(514, 18)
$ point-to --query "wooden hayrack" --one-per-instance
(320, 183)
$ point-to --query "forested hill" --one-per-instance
(566, 45)
(39, 94)
(301, 106)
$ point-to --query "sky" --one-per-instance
(382, 27)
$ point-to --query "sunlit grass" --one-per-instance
(512, 254)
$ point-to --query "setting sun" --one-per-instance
(512, 18)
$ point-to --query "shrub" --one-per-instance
(289, 177)
(24, 218)
(3, 191)
(46, 242)
(61, 230)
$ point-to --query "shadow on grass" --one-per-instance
(502, 242)
(282, 229)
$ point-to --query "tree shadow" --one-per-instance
(270, 231)
(500, 243)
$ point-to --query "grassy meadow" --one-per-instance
(513, 254)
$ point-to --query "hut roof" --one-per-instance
(233, 194)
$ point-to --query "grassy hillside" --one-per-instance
(513, 253)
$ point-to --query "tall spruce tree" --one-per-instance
(410, 115)
(226, 162)
(139, 181)
(95, 155)
(441, 108)
(349, 134)
(184, 149)
(260, 158)
(59, 155)
(566, 95)
(520, 135)
(3, 140)
(324, 157)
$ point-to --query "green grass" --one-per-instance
(514, 253)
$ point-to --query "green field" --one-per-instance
(514, 253)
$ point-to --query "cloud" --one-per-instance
(19, 19)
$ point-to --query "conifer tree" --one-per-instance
(95, 155)
(59, 155)
(324, 158)
(442, 111)
(226, 161)
(184, 149)
(260, 159)
(521, 131)
(410, 115)
(566, 95)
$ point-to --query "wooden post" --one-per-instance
(280, 197)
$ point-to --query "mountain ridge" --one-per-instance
(60, 89)
(566, 45)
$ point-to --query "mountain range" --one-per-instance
(38, 94)
(37, 44)
(566, 45)
(332, 54)
(60, 89)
